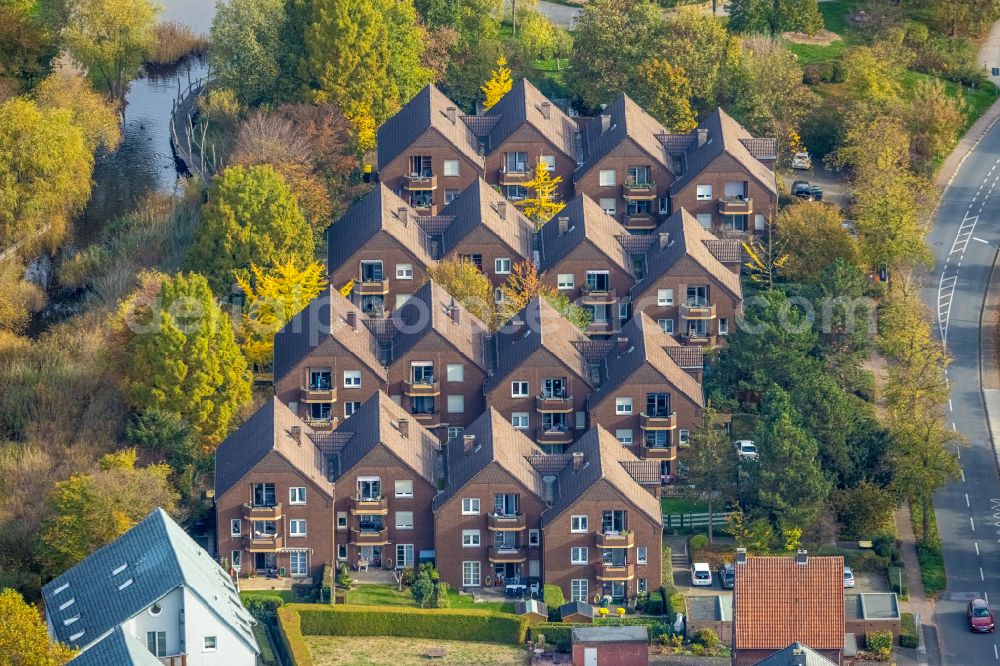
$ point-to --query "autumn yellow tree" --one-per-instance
(543, 200)
(813, 235)
(525, 283)
(767, 259)
(23, 637)
(499, 84)
(666, 93)
(272, 299)
(470, 287)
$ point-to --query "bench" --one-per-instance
(437, 653)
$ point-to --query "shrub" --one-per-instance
(262, 607)
(267, 657)
(558, 635)
(698, 542)
(344, 576)
(879, 641)
(908, 631)
(174, 42)
(290, 632)
(422, 590)
(866, 561)
(441, 599)
(882, 545)
(408, 576)
(428, 569)
(675, 605)
(710, 639)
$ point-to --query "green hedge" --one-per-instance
(558, 634)
(675, 605)
(266, 653)
(290, 632)
(908, 631)
(263, 607)
(466, 625)
(879, 641)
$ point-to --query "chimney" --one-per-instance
(456, 315)
(577, 461)
(516, 325)
(296, 433)
(469, 443)
(622, 345)
(352, 319)
(664, 239)
(404, 427)
(449, 113)
(502, 209)
(546, 109)
(401, 214)
(741, 556)
(802, 557)
(702, 136)
(563, 224)
(605, 123)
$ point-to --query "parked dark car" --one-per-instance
(727, 576)
(980, 616)
(800, 188)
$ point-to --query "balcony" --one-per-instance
(513, 523)
(513, 177)
(658, 422)
(616, 571)
(639, 191)
(263, 543)
(422, 389)
(369, 506)
(553, 405)
(599, 328)
(640, 222)
(174, 660)
(416, 183)
(506, 554)
(311, 395)
(615, 539)
(251, 512)
(431, 419)
(372, 288)
(706, 311)
(658, 452)
(735, 205)
(597, 296)
(321, 425)
(370, 537)
(543, 436)
(696, 339)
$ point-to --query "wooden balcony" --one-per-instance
(370, 537)
(251, 512)
(263, 543)
(513, 177)
(543, 436)
(600, 327)
(507, 555)
(372, 288)
(639, 191)
(647, 422)
(615, 540)
(514, 523)
(708, 340)
(422, 389)
(321, 425)
(311, 395)
(553, 405)
(658, 452)
(368, 506)
(430, 419)
(174, 660)
(420, 183)
(698, 311)
(616, 572)
(735, 206)
(643, 222)
(594, 296)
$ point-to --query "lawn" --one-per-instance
(835, 13)
(809, 54)
(362, 650)
(976, 101)
(677, 505)
(386, 595)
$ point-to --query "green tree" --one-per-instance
(251, 217)
(536, 35)
(27, 48)
(873, 75)
(813, 235)
(575, 314)
(476, 50)
(969, 17)
(160, 431)
(92, 510)
(422, 590)
(664, 91)
(92, 114)
(180, 355)
(933, 119)
(774, 16)
(111, 38)
(712, 463)
(24, 638)
(699, 44)
(245, 47)
(469, 286)
(436, 13)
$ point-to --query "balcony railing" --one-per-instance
(369, 506)
(695, 339)
(513, 177)
(372, 287)
(428, 419)
(658, 452)
(598, 295)
(600, 327)
(513, 523)
(422, 389)
(736, 205)
(311, 395)
(362, 537)
(658, 421)
(174, 660)
(543, 436)
(639, 191)
(616, 571)
(554, 405)
(321, 425)
(263, 543)
(640, 221)
(706, 311)
(506, 554)
(420, 183)
(615, 539)
(251, 512)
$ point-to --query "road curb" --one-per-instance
(994, 110)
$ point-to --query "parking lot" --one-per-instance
(863, 582)
(836, 189)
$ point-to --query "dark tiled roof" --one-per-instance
(323, 318)
(428, 110)
(587, 222)
(117, 649)
(627, 121)
(762, 149)
(725, 135)
(269, 429)
(687, 356)
(157, 557)
(533, 606)
(646, 472)
(524, 104)
(379, 210)
(430, 310)
(603, 458)
(497, 442)
(480, 206)
(576, 608)
(726, 250)
(550, 463)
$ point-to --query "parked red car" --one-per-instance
(980, 616)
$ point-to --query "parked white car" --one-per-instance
(701, 574)
(848, 577)
(802, 161)
(747, 450)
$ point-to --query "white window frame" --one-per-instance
(566, 281)
(406, 560)
(549, 161)
(501, 266)
(664, 297)
(623, 405)
(641, 555)
(341, 552)
(351, 406)
(471, 573)
(579, 524)
(294, 524)
(292, 568)
(579, 590)
(664, 205)
(455, 431)
(341, 520)
(235, 527)
(703, 192)
(297, 495)
(401, 522)
(520, 420)
(625, 436)
(534, 537)
(723, 326)
(607, 178)
(470, 506)
(579, 555)
(608, 204)
(404, 271)
(683, 436)
(236, 558)
(520, 389)
(666, 325)
(471, 539)
(455, 372)
(206, 647)
(400, 488)
(705, 220)
(456, 404)
(447, 171)
(352, 379)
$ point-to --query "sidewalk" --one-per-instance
(929, 651)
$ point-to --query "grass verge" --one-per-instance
(365, 650)
(929, 554)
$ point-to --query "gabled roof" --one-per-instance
(325, 317)
(269, 429)
(497, 442)
(376, 422)
(526, 104)
(379, 210)
(796, 654)
(542, 328)
(429, 109)
(480, 206)
(627, 120)
(725, 135)
(431, 309)
(123, 578)
(576, 608)
(647, 343)
(603, 458)
(587, 221)
(685, 238)
(779, 601)
(117, 648)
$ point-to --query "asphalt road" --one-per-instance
(968, 510)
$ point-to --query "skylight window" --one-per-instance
(77, 635)
(60, 588)
(66, 604)
(120, 569)
(70, 620)
(125, 584)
